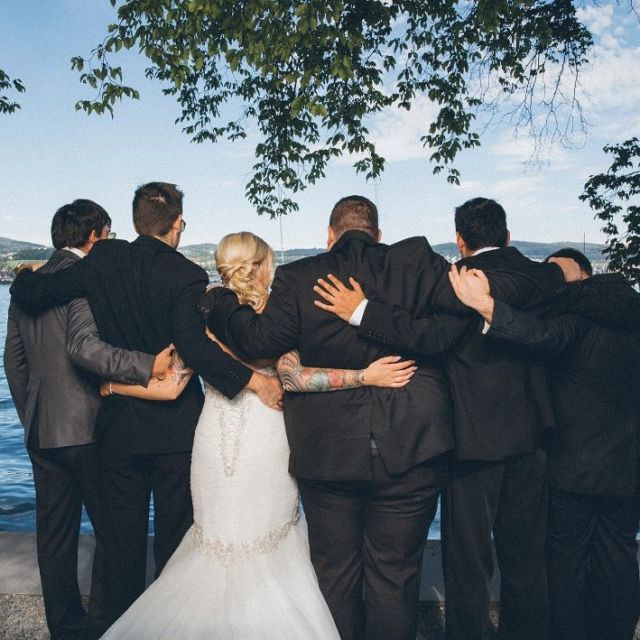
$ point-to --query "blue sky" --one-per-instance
(51, 154)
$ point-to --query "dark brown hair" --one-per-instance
(156, 205)
(577, 256)
(482, 223)
(354, 212)
(73, 223)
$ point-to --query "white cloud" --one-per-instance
(471, 185)
(513, 151)
(610, 84)
(397, 132)
(520, 188)
(597, 18)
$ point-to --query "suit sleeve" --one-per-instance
(255, 336)
(434, 329)
(426, 335)
(198, 352)
(548, 335)
(612, 308)
(85, 349)
(36, 292)
(15, 364)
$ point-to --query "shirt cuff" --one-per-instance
(356, 317)
(485, 328)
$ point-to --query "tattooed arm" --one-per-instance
(384, 372)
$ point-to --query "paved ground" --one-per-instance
(22, 614)
(22, 618)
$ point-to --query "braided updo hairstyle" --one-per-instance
(246, 262)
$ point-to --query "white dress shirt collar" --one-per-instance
(77, 252)
(483, 250)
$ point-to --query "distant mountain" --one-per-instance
(534, 250)
(204, 247)
(203, 252)
(200, 253)
(543, 249)
(7, 245)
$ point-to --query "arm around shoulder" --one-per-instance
(37, 291)
(198, 352)
(87, 350)
(428, 335)
(551, 335)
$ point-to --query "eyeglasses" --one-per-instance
(111, 235)
(183, 225)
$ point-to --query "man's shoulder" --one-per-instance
(515, 278)
(108, 252)
(413, 243)
(612, 282)
(499, 258)
(59, 259)
(181, 261)
(510, 260)
(178, 266)
(108, 247)
(303, 263)
(163, 256)
(412, 248)
(303, 266)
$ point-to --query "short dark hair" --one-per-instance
(156, 205)
(354, 212)
(482, 223)
(577, 256)
(73, 223)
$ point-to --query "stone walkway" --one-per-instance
(22, 618)
(22, 614)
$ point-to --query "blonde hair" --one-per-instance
(240, 259)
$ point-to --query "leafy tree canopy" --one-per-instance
(7, 105)
(615, 197)
(309, 73)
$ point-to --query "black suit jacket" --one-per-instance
(594, 380)
(330, 433)
(143, 296)
(500, 397)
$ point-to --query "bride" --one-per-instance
(243, 570)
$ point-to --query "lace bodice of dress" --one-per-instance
(245, 501)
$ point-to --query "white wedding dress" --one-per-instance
(243, 569)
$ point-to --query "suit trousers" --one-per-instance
(367, 540)
(128, 481)
(64, 479)
(594, 592)
(509, 499)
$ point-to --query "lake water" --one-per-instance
(17, 498)
(17, 502)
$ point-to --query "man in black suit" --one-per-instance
(144, 295)
(498, 480)
(370, 462)
(594, 501)
(57, 403)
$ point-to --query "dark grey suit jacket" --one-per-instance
(44, 358)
